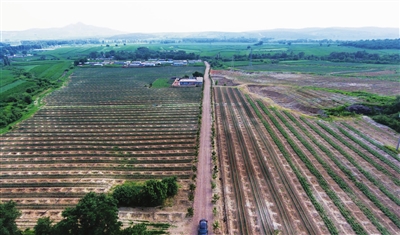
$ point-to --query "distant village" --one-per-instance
(148, 63)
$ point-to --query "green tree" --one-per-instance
(8, 214)
(127, 195)
(43, 226)
(197, 74)
(172, 185)
(95, 214)
(154, 193)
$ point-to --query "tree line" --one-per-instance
(95, 214)
(374, 44)
(356, 57)
(143, 53)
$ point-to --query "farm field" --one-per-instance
(290, 173)
(104, 127)
(281, 170)
(302, 92)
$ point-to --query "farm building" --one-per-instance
(179, 63)
(188, 82)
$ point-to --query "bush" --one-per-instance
(153, 193)
(127, 195)
(172, 185)
(190, 211)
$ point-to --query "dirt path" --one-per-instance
(202, 200)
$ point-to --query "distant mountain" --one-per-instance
(362, 33)
(72, 31)
(82, 31)
(280, 34)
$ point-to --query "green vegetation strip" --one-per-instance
(361, 154)
(358, 229)
(383, 148)
(303, 181)
(363, 187)
(343, 185)
(161, 83)
(11, 85)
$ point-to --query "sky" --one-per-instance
(196, 16)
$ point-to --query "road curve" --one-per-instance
(203, 193)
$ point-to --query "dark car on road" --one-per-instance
(203, 227)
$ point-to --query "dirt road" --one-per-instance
(202, 200)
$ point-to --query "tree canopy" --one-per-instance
(152, 193)
(8, 214)
(95, 214)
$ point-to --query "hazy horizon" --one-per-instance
(199, 16)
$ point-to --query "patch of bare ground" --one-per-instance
(377, 73)
(381, 133)
(223, 81)
(334, 82)
(307, 101)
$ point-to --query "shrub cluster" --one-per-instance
(152, 193)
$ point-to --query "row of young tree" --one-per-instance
(95, 214)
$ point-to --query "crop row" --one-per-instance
(386, 150)
(366, 158)
(266, 223)
(373, 152)
(137, 147)
(302, 179)
(95, 154)
(340, 182)
(87, 161)
(363, 188)
(82, 139)
(241, 218)
(301, 211)
(114, 134)
(50, 184)
(104, 143)
(127, 175)
(346, 213)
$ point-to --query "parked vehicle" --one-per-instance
(203, 227)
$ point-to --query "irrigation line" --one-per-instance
(304, 217)
(236, 181)
(266, 220)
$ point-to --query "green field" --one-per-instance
(48, 69)
(319, 67)
(162, 82)
(11, 85)
(6, 77)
